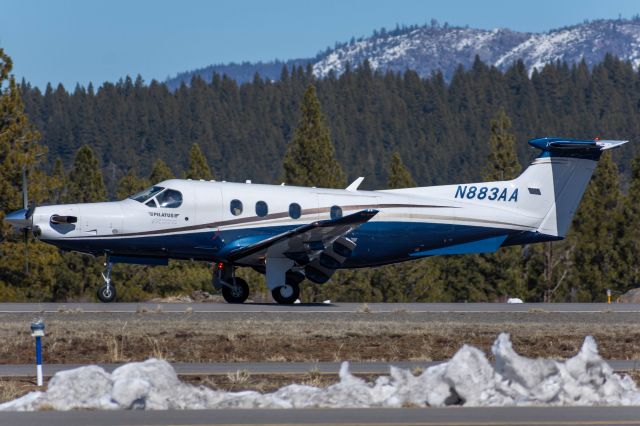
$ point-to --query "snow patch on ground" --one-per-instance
(467, 379)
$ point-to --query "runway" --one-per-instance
(368, 416)
(206, 369)
(36, 308)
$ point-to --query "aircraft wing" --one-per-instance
(307, 243)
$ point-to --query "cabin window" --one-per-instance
(151, 203)
(336, 212)
(236, 207)
(143, 196)
(262, 209)
(295, 211)
(170, 199)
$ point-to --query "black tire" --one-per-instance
(106, 293)
(238, 293)
(286, 294)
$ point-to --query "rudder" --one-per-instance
(558, 178)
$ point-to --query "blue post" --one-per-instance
(37, 331)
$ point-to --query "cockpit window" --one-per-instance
(151, 203)
(143, 196)
(170, 199)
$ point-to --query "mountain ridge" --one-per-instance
(433, 47)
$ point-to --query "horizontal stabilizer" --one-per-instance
(488, 245)
(578, 148)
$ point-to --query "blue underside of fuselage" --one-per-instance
(377, 243)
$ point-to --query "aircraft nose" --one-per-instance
(19, 218)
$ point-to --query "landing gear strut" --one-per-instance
(107, 292)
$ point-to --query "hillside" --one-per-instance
(430, 48)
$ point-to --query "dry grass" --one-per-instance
(15, 388)
(184, 339)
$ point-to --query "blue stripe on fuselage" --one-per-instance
(377, 243)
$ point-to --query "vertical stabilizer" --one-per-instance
(558, 178)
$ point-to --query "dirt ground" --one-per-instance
(83, 339)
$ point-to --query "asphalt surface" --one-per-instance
(222, 368)
(319, 308)
(368, 416)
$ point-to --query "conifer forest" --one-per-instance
(87, 144)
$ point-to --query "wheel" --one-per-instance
(107, 293)
(238, 292)
(286, 294)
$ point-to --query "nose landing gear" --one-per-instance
(107, 292)
(235, 292)
(234, 289)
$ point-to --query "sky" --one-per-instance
(80, 41)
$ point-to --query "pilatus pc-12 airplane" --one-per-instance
(291, 233)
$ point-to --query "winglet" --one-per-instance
(355, 184)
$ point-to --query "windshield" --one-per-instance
(143, 196)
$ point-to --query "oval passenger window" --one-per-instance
(336, 212)
(236, 207)
(295, 211)
(262, 209)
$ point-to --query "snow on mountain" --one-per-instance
(428, 49)
(589, 42)
(431, 48)
(424, 50)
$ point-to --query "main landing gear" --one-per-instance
(286, 294)
(107, 292)
(236, 290)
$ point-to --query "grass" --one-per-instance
(187, 339)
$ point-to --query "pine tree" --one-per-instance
(19, 148)
(502, 161)
(129, 184)
(85, 178)
(58, 183)
(160, 172)
(595, 234)
(198, 167)
(20, 151)
(310, 159)
(630, 233)
(399, 176)
(503, 270)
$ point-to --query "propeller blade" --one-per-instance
(30, 211)
(25, 233)
(25, 194)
